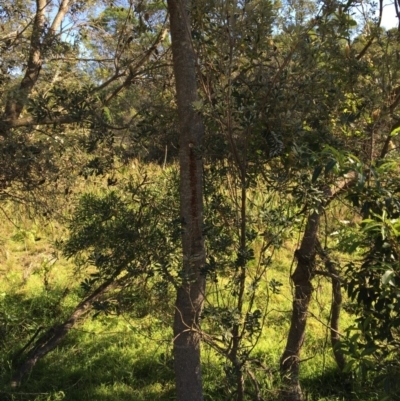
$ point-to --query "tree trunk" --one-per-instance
(335, 307)
(302, 276)
(335, 316)
(39, 42)
(190, 295)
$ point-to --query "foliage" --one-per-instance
(295, 98)
(372, 284)
(129, 355)
(128, 232)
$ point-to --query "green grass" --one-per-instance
(114, 358)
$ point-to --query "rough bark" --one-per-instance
(190, 294)
(302, 276)
(52, 337)
(302, 280)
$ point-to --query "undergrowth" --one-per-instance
(129, 356)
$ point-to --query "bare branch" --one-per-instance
(341, 186)
(396, 6)
(116, 55)
(110, 80)
(369, 43)
(96, 60)
(388, 139)
(62, 10)
(50, 339)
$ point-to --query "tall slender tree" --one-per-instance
(190, 295)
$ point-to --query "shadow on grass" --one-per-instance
(115, 368)
(330, 385)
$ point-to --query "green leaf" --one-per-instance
(368, 351)
(388, 166)
(316, 173)
(349, 366)
(395, 131)
(329, 166)
(198, 104)
(352, 22)
(361, 180)
(388, 278)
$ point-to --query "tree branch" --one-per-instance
(134, 68)
(388, 139)
(97, 60)
(336, 305)
(396, 6)
(49, 340)
(62, 10)
(341, 186)
(366, 47)
(16, 101)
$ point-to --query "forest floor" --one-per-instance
(128, 357)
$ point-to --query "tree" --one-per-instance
(60, 115)
(306, 110)
(232, 80)
(372, 280)
(190, 296)
(362, 121)
(61, 79)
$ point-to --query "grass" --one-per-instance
(128, 357)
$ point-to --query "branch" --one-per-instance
(17, 34)
(391, 109)
(336, 305)
(62, 10)
(116, 55)
(97, 60)
(16, 103)
(396, 6)
(110, 80)
(341, 186)
(288, 59)
(49, 340)
(388, 139)
(396, 101)
(133, 69)
(27, 122)
(326, 274)
(366, 47)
